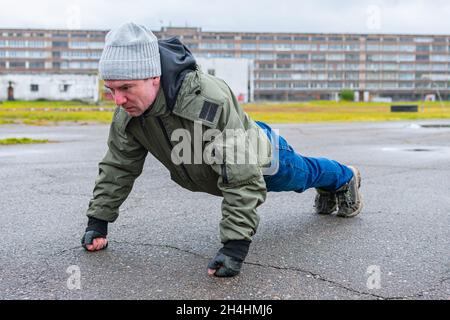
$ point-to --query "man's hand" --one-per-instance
(98, 244)
(229, 259)
(224, 266)
(94, 238)
(94, 241)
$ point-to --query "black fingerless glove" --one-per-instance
(95, 229)
(229, 259)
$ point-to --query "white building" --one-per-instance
(49, 87)
(237, 73)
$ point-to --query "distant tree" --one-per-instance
(347, 95)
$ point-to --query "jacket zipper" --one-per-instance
(224, 174)
(166, 135)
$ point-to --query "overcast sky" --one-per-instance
(356, 16)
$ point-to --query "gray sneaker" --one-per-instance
(349, 197)
(325, 202)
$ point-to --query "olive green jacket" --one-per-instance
(203, 103)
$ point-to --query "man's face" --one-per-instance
(135, 96)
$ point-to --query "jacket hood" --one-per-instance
(176, 62)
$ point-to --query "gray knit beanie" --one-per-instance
(131, 53)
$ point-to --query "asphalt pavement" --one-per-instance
(397, 248)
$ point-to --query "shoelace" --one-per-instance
(346, 198)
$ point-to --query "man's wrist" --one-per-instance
(98, 225)
(237, 249)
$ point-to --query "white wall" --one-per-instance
(237, 73)
(83, 87)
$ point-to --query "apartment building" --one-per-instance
(285, 66)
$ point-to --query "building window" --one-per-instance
(34, 88)
(17, 64)
(335, 39)
(335, 57)
(406, 57)
(439, 48)
(37, 65)
(301, 85)
(284, 66)
(407, 48)
(283, 47)
(422, 58)
(266, 75)
(192, 45)
(423, 40)
(217, 46)
(64, 88)
(406, 76)
(60, 44)
(248, 46)
(352, 57)
(390, 48)
(37, 44)
(301, 47)
(301, 56)
(17, 43)
(266, 56)
(406, 67)
(439, 58)
(318, 66)
(86, 45)
(283, 56)
(266, 66)
(226, 37)
(318, 57)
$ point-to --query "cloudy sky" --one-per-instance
(357, 16)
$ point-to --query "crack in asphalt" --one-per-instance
(310, 273)
(317, 277)
(321, 278)
(161, 246)
(314, 275)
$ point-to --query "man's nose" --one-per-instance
(119, 99)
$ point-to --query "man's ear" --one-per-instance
(156, 81)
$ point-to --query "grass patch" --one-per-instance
(330, 111)
(44, 104)
(2, 121)
(11, 141)
(44, 117)
(53, 112)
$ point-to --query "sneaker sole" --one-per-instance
(361, 205)
(327, 213)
